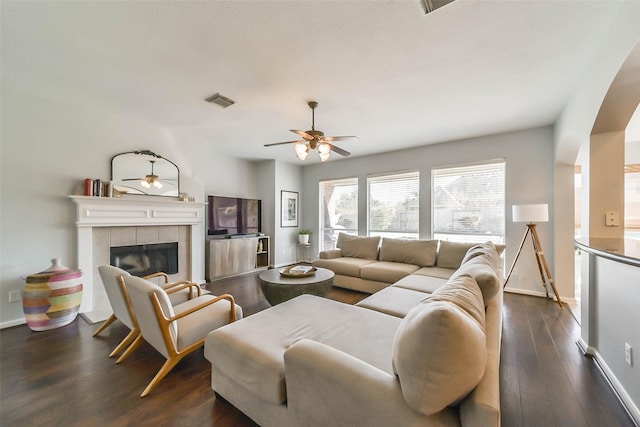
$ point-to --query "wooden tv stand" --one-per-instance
(238, 255)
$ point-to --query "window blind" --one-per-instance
(393, 205)
(468, 202)
(338, 210)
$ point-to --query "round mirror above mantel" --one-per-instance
(144, 172)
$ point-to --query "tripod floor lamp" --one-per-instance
(531, 214)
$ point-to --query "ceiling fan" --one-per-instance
(315, 139)
(149, 180)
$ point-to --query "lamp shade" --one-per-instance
(302, 150)
(531, 213)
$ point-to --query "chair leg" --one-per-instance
(136, 343)
(132, 335)
(104, 325)
(166, 368)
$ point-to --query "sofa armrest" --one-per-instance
(327, 387)
(332, 253)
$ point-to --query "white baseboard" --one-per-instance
(618, 389)
(525, 292)
(571, 301)
(12, 323)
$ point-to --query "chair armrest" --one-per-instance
(327, 387)
(232, 311)
(183, 284)
(332, 253)
(160, 274)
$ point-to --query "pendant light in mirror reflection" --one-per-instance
(145, 172)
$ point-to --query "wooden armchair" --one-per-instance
(176, 331)
(179, 292)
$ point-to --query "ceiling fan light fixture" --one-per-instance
(302, 150)
(315, 140)
(157, 184)
(324, 148)
(145, 184)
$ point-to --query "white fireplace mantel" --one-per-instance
(122, 212)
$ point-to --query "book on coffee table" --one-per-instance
(300, 269)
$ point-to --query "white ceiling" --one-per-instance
(382, 70)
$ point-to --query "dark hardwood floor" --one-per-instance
(63, 377)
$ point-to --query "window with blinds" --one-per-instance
(468, 202)
(393, 205)
(338, 210)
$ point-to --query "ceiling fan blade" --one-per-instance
(339, 150)
(303, 134)
(341, 138)
(281, 143)
(133, 179)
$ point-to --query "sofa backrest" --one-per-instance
(451, 254)
(357, 246)
(418, 252)
(483, 263)
(440, 353)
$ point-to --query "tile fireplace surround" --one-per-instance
(102, 222)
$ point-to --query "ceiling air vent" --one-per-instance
(220, 100)
(431, 5)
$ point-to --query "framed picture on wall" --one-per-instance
(289, 209)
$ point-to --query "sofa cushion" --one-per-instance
(346, 266)
(481, 269)
(252, 349)
(358, 247)
(450, 254)
(419, 252)
(443, 273)
(439, 355)
(388, 272)
(417, 282)
(343, 237)
(393, 301)
(463, 291)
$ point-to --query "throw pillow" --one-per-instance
(463, 291)
(485, 275)
(439, 355)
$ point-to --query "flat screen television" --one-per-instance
(229, 216)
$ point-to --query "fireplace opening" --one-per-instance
(142, 260)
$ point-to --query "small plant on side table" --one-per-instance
(303, 236)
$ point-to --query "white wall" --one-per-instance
(289, 178)
(613, 286)
(530, 171)
(603, 318)
(229, 176)
(273, 177)
(49, 147)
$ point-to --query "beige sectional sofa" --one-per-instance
(423, 351)
(369, 264)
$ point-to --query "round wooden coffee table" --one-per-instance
(278, 288)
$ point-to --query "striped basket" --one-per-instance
(52, 297)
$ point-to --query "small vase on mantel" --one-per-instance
(52, 297)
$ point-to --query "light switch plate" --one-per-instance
(612, 219)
